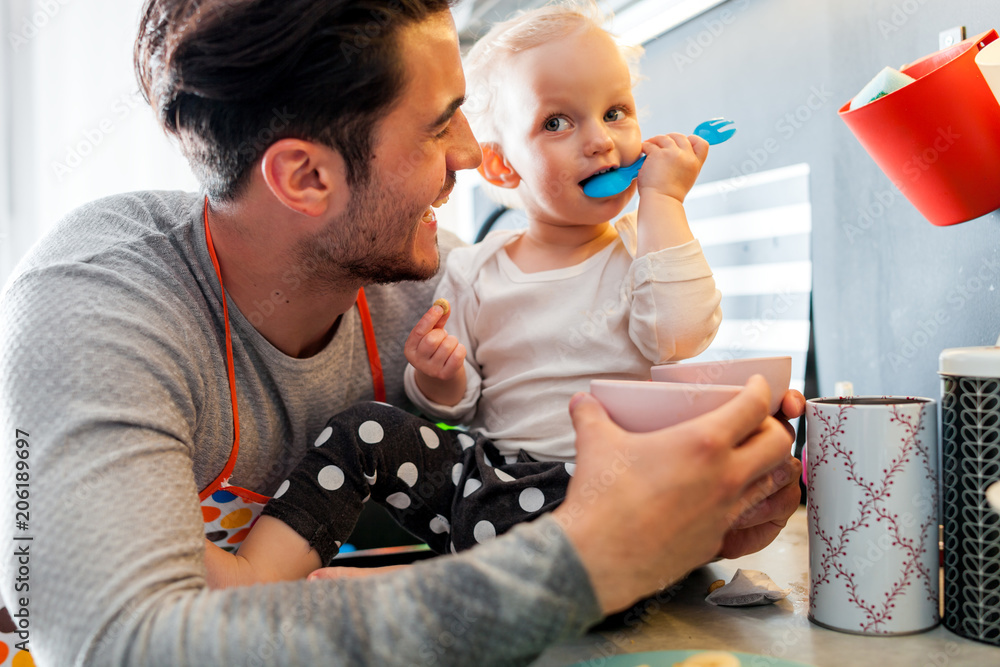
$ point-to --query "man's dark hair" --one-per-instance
(228, 78)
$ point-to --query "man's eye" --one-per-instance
(443, 133)
(614, 114)
(555, 124)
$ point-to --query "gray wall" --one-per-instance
(890, 290)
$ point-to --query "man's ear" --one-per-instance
(496, 169)
(306, 177)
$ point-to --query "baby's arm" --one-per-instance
(272, 551)
(437, 357)
(672, 165)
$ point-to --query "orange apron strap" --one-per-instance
(373, 360)
(231, 463)
(378, 380)
(245, 494)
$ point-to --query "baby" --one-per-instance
(534, 314)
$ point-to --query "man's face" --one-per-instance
(389, 232)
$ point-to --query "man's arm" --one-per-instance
(117, 558)
(118, 577)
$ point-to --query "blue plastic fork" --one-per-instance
(610, 183)
(715, 131)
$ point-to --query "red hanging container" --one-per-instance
(938, 138)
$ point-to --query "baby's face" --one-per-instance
(569, 113)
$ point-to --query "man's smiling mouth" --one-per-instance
(429, 215)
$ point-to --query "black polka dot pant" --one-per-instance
(449, 488)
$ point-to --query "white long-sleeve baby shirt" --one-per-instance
(535, 339)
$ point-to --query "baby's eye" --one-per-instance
(613, 115)
(555, 124)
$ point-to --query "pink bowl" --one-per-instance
(647, 406)
(776, 370)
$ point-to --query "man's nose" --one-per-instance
(464, 152)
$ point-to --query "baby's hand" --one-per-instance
(673, 162)
(430, 349)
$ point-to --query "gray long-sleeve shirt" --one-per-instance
(111, 360)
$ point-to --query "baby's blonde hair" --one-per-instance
(525, 30)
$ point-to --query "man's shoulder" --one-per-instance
(98, 227)
(160, 206)
(123, 216)
(123, 253)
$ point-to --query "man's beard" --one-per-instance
(363, 244)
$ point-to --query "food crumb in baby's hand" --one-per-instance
(718, 583)
(445, 306)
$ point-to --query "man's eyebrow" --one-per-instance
(448, 113)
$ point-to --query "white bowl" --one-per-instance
(776, 370)
(641, 406)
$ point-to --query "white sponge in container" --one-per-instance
(885, 82)
(988, 61)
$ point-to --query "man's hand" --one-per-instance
(438, 357)
(765, 509)
(644, 509)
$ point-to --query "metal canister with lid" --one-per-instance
(970, 465)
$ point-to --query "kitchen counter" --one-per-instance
(679, 618)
